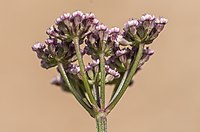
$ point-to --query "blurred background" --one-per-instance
(166, 93)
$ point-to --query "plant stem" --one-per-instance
(83, 72)
(101, 123)
(96, 94)
(128, 79)
(74, 92)
(119, 86)
(103, 74)
(96, 89)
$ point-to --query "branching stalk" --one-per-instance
(74, 92)
(119, 86)
(83, 72)
(128, 79)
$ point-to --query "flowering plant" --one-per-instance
(115, 57)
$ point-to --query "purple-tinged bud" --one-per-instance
(103, 32)
(133, 30)
(150, 52)
(159, 27)
(161, 20)
(88, 24)
(89, 16)
(122, 41)
(44, 64)
(101, 28)
(77, 13)
(147, 17)
(73, 69)
(147, 53)
(38, 46)
(66, 19)
(107, 67)
(62, 17)
(67, 15)
(160, 23)
(111, 60)
(51, 41)
(52, 31)
(94, 63)
(121, 52)
(133, 22)
(95, 21)
(76, 70)
(112, 72)
(78, 16)
(88, 67)
(131, 26)
(58, 20)
(148, 22)
(117, 75)
(56, 80)
(114, 32)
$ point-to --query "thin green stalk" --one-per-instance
(96, 94)
(83, 72)
(128, 79)
(119, 86)
(103, 74)
(81, 92)
(96, 89)
(74, 92)
(101, 123)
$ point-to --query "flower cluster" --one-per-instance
(76, 24)
(143, 30)
(115, 55)
(101, 40)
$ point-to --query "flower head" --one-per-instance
(76, 24)
(102, 39)
(115, 56)
(143, 30)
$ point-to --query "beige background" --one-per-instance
(165, 97)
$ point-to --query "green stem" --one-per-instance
(83, 72)
(96, 88)
(80, 91)
(96, 94)
(101, 123)
(74, 92)
(128, 79)
(119, 86)
(103, 74)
